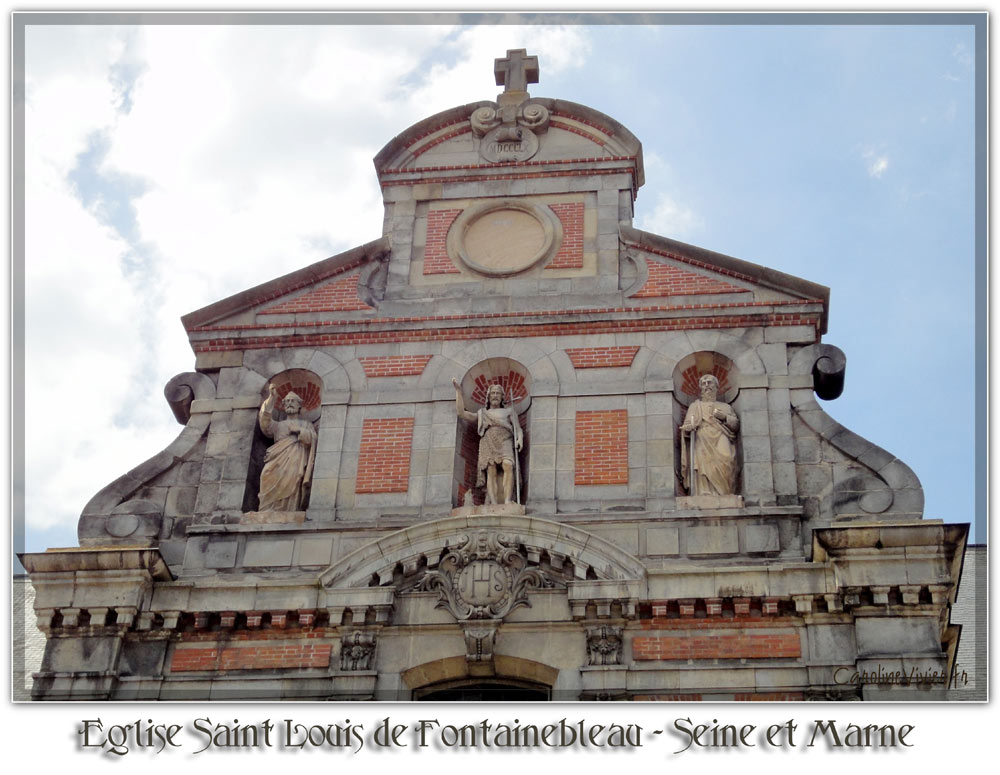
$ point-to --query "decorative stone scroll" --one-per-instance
(483, 578)
(509, 132)
(604, 645)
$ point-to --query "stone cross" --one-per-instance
(515, 71)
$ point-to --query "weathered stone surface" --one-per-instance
(664, 541)
(712, 540)
(268, 552)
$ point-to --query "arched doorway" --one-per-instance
(479, 690)
(513, 679)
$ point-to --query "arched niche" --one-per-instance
(693, 367)
(515, 380)
(686, 374)
(308, 386)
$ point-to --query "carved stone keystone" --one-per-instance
(480, 638)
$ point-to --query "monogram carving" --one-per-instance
(483, 578)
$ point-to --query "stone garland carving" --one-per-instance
(604, 645)
(357, 650)
(500, 439)
(708, 443)
(288, 463)
(483, 579)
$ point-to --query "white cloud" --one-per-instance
(80, 331)
(669, 216)
(672, 219)
(876, 162)
(878, 166)
(962, 55)
(254, 148)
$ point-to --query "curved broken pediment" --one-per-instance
(423, 546)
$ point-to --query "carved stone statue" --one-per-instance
(500, 440)
(288, 463)
(708, 443)
(356, 651)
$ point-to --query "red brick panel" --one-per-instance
(395, 365)
(601, 357)
(570, 255)
(436, 259)
(666, 280)
(259, 657)
(340, 295)
(602, 447)
(384, 460)
(736, 646)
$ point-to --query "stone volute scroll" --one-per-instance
(288, 462)
(500, 441)
(708, 444)
(509, 132)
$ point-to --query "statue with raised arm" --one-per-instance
(500, 439)
(708, 443)
(288, 463)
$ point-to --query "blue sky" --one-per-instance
(168, 167)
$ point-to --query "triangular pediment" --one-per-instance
(337, 284)
(669, 271)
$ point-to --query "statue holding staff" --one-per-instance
(708, 443)
(288, 463)
(500, 439)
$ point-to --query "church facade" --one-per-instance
(514, 448)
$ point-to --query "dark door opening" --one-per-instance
(483, 691)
